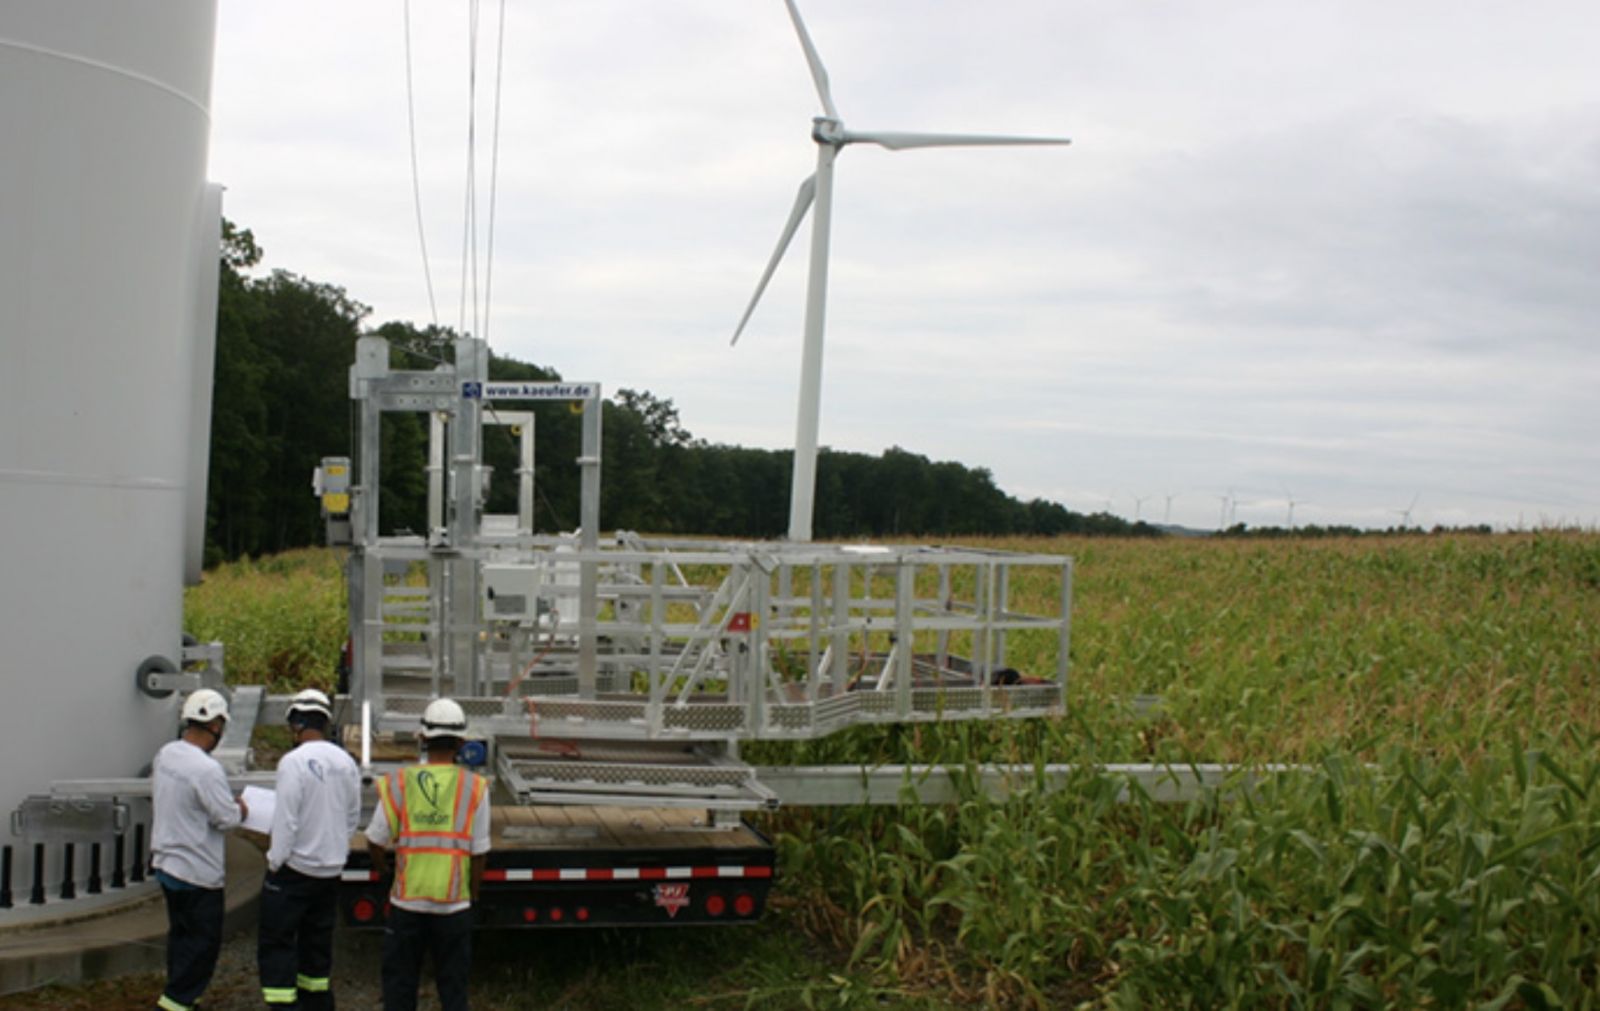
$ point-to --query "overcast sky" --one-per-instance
(1344, 255)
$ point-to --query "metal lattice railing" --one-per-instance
(703, 641)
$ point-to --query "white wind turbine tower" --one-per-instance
(1230, 507)
(1405, 514)
(1289, 497)
(831, 136)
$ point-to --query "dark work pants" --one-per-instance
(194, 940)
(294, 945)
(406, 937)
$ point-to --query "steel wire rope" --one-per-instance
(494, 168)
(469, 217)
(480, 306)
(469, 238)
(416, 180)
(469, 244)
(494, 175)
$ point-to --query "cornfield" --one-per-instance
(1437, 844)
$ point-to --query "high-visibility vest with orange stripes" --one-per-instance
(430, 810)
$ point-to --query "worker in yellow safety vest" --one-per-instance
(435, 817)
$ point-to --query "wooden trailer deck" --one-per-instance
(566, 827)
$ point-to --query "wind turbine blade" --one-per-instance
(895, 141)
(819, 74)
(802, 203)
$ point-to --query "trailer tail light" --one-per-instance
(716, 905)
(530, 915)
(363, 911)
(582, 913)
(556, 914)
(744, 904)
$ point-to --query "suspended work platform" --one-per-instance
(627, 669)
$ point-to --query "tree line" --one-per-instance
(284, 347)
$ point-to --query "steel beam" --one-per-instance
(850, 785)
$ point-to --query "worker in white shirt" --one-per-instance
(318, 809)
(193, 807)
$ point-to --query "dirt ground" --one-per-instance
(236, 986)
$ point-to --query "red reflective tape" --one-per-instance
(705, 872)
(546, 874)
(651, 873)
(494, 875)
(758, 872)
(600, 874)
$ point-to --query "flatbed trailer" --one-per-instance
(570, 866)
(576, 866)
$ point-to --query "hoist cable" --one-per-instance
(469, 229)
(494, 169)
(469, 249)
(416, 182)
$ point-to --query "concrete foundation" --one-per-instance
(128, 934)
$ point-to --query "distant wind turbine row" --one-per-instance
(1230, 502)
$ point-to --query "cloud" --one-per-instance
(1349, 249)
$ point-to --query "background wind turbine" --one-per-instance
(1230, 510)
(831, 137)
(1405, 514)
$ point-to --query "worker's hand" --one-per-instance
(244, 809)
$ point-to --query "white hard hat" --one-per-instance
(204, 706)
(443, 718)
(310, 701)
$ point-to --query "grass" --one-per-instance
(281, 619)
(1440, 850)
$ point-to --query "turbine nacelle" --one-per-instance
(825, 130)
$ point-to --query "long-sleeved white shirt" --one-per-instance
(192, 808)
(318, 809)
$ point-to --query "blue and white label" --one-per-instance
(529, 391)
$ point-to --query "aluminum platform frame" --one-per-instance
(684, 642)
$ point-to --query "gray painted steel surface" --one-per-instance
(104, 213)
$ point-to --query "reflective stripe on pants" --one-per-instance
(294, 945)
